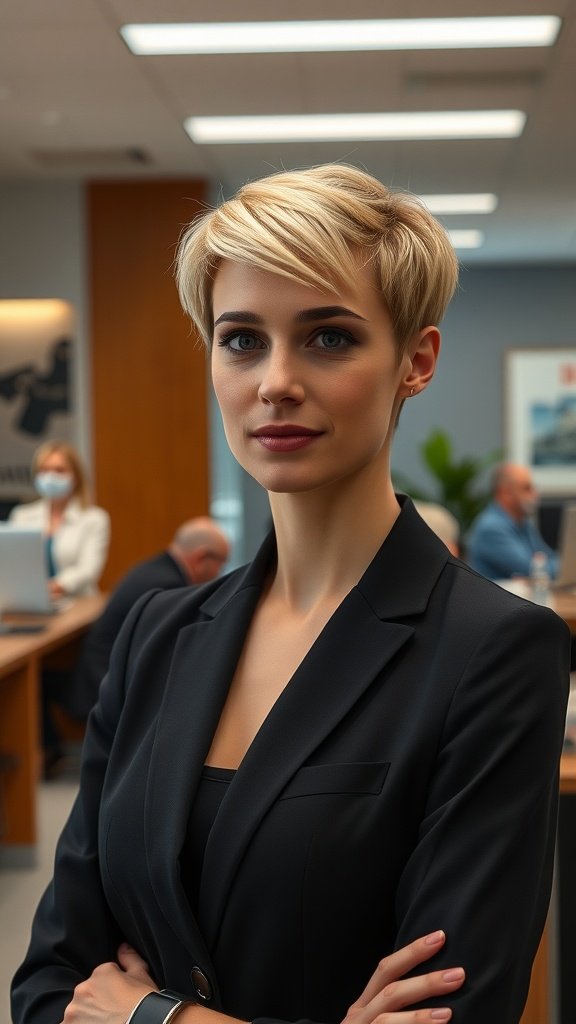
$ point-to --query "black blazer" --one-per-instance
(162, 571)
(405, 780)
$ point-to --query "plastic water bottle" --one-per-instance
(540, 579)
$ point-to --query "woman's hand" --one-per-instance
(111, 992)
(388, 992)
(55, 589)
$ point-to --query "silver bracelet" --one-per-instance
(151, 1009)
(134, 1008)
(176, 1009)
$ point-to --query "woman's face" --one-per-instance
(308, 382)
(55, 462)
(55, 478)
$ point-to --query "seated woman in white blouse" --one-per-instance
(77, 537)
(77, 532)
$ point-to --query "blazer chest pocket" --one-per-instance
(315, 779)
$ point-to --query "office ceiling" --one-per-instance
(75, 103)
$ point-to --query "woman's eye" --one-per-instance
(332, 341)
(241, 342)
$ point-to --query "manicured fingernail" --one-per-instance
(440, 1014)
(454, 974)
(434, 938)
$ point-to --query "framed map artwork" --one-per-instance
(36, 384)
(540, 415)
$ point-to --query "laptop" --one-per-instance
(23, 576)
(566, 578)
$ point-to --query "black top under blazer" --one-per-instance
(405, 780)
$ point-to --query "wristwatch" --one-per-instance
(158, 1007)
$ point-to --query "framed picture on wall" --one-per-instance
(540, 415)
(36, 385)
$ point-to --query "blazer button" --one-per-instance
(202, 986)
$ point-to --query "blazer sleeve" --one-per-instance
(84, 572)
(482, 866)
(73, 929)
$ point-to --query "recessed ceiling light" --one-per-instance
(467, 238)
(473, 202)
(381, 34)
(461, 124)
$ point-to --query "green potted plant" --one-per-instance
(458, 485)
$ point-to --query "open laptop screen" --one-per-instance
(23, 575)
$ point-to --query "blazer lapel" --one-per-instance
(351, 651)
(201, 670)
(329, 681)
(202, 666)
(354, 647)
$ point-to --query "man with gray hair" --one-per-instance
(504, 538)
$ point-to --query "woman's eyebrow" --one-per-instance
(326, 313)
(239, 316)
(304, 316)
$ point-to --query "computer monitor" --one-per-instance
(23, 575)
(566, 577)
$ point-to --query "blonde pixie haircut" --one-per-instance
(317, 227)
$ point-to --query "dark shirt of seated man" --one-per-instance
(196, 554)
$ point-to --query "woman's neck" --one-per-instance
(58, 505)
(326, 540)
(56, 510)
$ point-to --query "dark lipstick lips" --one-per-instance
(284, 430)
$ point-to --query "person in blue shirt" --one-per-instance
(504, 538)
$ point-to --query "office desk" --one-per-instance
(22, 657)
(540, 1001)
(568, 774)
(565, 605)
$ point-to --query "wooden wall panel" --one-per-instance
(149, 400)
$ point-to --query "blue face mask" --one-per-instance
(53, 485)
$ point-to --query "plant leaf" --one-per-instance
(437, 452)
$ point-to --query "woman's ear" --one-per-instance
(422, 352)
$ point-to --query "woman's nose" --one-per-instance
(281, 381)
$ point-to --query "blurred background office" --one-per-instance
(98, 173)
(107, 150)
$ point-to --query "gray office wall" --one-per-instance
(495, 308)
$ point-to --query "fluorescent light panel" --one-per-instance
(382, 34)
(467, 238)
(461, 124)
(473, 202)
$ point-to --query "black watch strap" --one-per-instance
(158, 1008)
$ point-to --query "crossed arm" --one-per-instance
(112, 991)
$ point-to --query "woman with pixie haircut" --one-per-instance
(324, 787)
